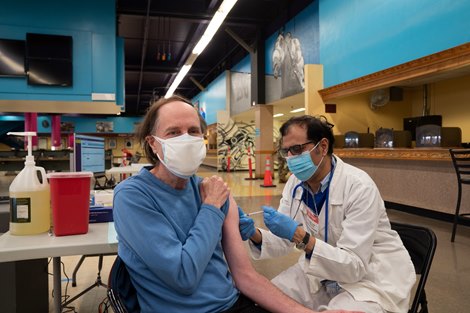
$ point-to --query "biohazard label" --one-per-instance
(20, 210)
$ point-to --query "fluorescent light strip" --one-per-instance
(297, 110)
(214, 25)
(209, 33)
(181, 74)
(278, 115)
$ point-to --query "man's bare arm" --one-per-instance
(248, 281)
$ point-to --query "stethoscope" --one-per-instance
(327, 190)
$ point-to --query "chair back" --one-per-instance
(121, 292)
(421, 244)
(461, 161)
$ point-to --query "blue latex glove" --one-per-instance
(279, 224)
(247, 225)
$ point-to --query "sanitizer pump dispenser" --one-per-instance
(30, 208)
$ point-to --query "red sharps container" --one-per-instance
(70, 202)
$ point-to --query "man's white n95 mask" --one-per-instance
(183, 154)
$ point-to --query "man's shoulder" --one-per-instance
(345, 169)
(132, 183)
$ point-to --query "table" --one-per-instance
(100, 239)
(123, 170)
(128, 169)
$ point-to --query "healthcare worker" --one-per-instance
(334, 213)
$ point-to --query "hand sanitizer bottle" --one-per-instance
(30, 208)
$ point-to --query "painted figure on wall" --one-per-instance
(234, 139)
(288, 64)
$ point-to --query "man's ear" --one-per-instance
(152, 143)
(324, 145)
(150, 140)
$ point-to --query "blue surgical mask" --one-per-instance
(302, 165)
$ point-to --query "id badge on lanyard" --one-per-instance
(313, 222)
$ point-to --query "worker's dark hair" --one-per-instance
(150, 122)
(317, 128)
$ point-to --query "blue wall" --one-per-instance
(213, 99)
(359, 37)
(305, 27)
(122, 125)
(92, 24)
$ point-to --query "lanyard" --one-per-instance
(327, 190)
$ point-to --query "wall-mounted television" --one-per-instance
(12, 58)
(88, 154)
(50, 72)
(49, 60)
(44, 46)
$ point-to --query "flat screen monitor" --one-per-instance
(89, 154)
(410, 123)
(43, 46)
(12, 56)
(49, 72)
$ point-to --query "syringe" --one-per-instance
(254, 213)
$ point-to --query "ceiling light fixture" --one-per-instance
(278, 115)
(181, 74)
(210, 31)
(297, 110)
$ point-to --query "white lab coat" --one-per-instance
(363, 254)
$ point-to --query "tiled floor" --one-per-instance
(448, 286)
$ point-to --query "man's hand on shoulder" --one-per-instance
(214, 191)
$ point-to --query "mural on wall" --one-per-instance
(200, 109)
(288, 64)
(104, 127)
(238, 137)
(234, 138)
(68, 127)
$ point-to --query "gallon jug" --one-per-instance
(30, 208)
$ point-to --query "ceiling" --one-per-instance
(153, 29)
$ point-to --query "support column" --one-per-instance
(314, 104)
(70, 141)
(264, 145)
(31, 125)
(258, 70)
(55, 132)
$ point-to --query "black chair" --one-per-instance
(121, 292)
(461, 161)
(421, 244)
(106, 184)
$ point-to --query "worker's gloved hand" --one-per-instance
(247, 225)
(279, 224)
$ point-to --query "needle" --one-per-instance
(254, 213)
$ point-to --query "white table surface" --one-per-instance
(100, 239)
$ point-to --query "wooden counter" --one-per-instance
(421, 154)
(422, 178)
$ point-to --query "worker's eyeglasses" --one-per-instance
(294, 150)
